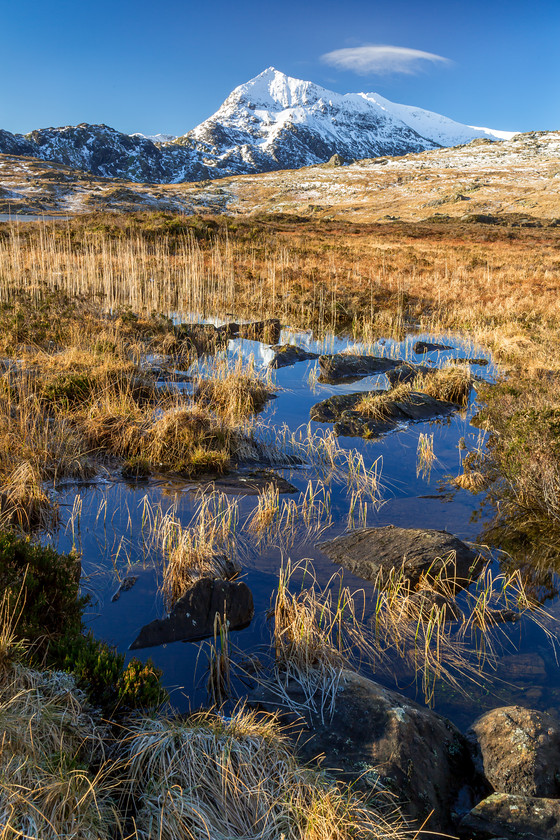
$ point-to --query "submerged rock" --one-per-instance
(519, 750)
(248, 483)
(341, 410)
(421, 554)
(126, 584)
(506, 817)
(344, 366)
(289, 354)
(429, 346)
(193, 615)
(379, 740)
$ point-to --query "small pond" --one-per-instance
(107, 521)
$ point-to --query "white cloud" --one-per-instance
(381, 59)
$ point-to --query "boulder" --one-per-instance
(343, 366)
(289, 354)
(421, 554)
(519, 750)
(429, 346)
(507, 817)
(193, 615)
(406, 373)
(341, 410)
(379, 740)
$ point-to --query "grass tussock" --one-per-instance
(210, 778)
(379, 406)
(452, 384)
(52, 742)
(234, 392)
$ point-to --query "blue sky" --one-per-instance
(164, 67)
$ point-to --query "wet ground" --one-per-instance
(108, 521)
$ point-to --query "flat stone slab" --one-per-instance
(192, 618)
(249, 483)
(289, 354)
(510, 817)
(343, 366)
(340, 410)
(373, 552)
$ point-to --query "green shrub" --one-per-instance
(50, 584)
(99, 670)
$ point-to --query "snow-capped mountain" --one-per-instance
(271, 122)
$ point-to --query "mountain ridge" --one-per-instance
(272, 122)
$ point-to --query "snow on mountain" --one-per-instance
(155, 138)
(271, 122)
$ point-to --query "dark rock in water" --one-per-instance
(406, 373)
(506, 817)
(340, 410)
(344, 366)
(429, 346)
(519, 750)
(289, 354)
(522, 667)
(193, 615)
(248, 483)
(369, 552)
(379, 740)
(126, 584)
(201, 339)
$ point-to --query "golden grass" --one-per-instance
(377, 406)
(429, 634)
(234, 391)
(208, 778)
(451, 384)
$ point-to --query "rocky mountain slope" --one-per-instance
(520, 176)
(270, 123)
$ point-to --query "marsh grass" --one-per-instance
(234, 391)
(378, 406)
(283, 522)
(429, 634)
(206, 547)
(452, 383)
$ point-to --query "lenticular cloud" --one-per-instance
(381, 59)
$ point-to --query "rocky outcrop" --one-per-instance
(421, 554)
(194, 614)
(344, 366)
(519, 750)
(504, 816)
(379, 740)
(349, 422)
(289, 354)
